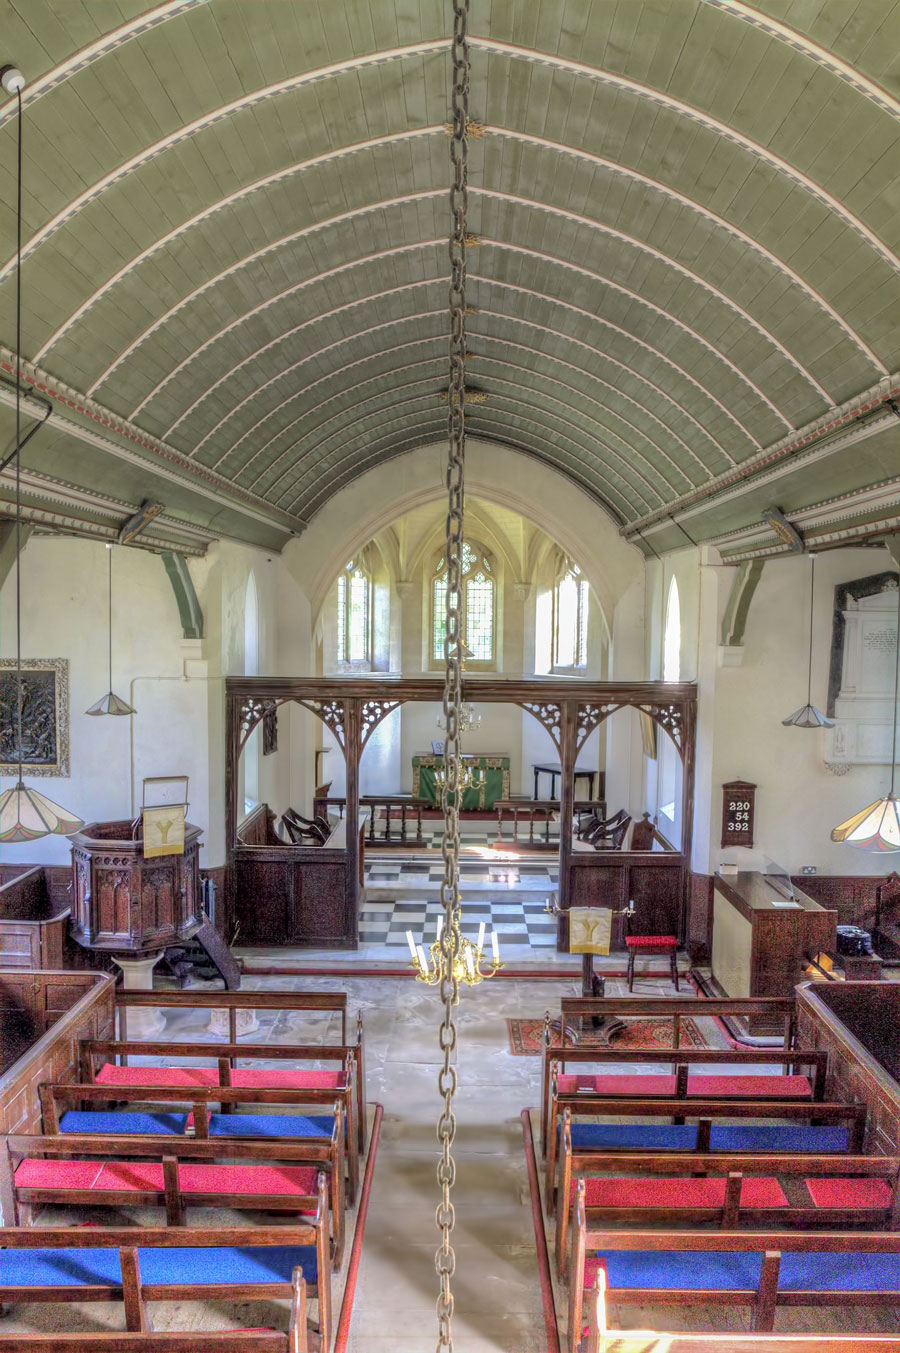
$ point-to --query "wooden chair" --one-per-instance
(650, 946)
(305, 831)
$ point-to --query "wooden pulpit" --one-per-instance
(126, 903)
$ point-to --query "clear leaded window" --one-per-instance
(570, 614)
(477, 603)
(354, 615)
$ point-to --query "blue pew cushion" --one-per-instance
(677, 1270)
(634, 1137)
(850, 1272)
(176, 1266)
(799, 1138)
(271, 1125)
(699, 1270)
(118, 1121)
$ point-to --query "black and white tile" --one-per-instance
(516, 921)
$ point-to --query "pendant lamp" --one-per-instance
(808, 716)
(110, 703)
(25, 814)
(877, 827)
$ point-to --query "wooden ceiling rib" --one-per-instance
(235, 216)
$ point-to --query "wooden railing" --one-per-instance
(392, 817)
(539, 813)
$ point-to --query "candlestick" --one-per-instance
(481, 937)
(423, 961)
(412, 947)
(495, 946)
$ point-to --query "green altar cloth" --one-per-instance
(492, 781)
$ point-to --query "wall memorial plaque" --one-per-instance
(45, 716)
(738, 807)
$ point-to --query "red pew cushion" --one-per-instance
(617, 1084)
(131, 1174)
(263, 1078)
(849, 1193)
(157, 1075)
(140, 1176)
(289, 1180)
(57, 1174)
(652, 941)
(750, 1087)
(648, 1191)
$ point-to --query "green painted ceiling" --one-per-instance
(236, 211)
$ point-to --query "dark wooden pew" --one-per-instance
(232, 1001)
(106, 1062)
(834, 1128)
(779, 1011)
(306, 1128)
(821, 1190)
(175, 1173)
(139, 1264)
(764, 1270)
(294, 1340)
(683, 1082)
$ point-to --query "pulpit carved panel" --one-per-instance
(126, 904)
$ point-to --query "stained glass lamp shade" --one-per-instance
(807, 717)
(26, 815)
(874, 828)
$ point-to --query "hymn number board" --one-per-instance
(738, 806)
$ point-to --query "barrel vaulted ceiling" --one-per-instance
(684, 272)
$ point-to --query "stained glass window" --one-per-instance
(477, 603)
(354, 615)
(570, 613)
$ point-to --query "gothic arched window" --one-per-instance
(354, 616)
(672, 636)
(478, 604)
(570, 617)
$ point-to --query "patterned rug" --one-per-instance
(526, 1036)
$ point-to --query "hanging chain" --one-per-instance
(445, 1258)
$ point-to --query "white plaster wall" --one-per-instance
(176, 685)
(798, 800)
(64, 614)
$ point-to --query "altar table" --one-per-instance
(492, 781)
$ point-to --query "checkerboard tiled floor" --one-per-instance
(516, 921)
(518, 875)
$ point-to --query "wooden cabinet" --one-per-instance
(761, 938)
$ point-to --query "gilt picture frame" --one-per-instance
(45, 716)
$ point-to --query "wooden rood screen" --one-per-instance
(281, 893)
